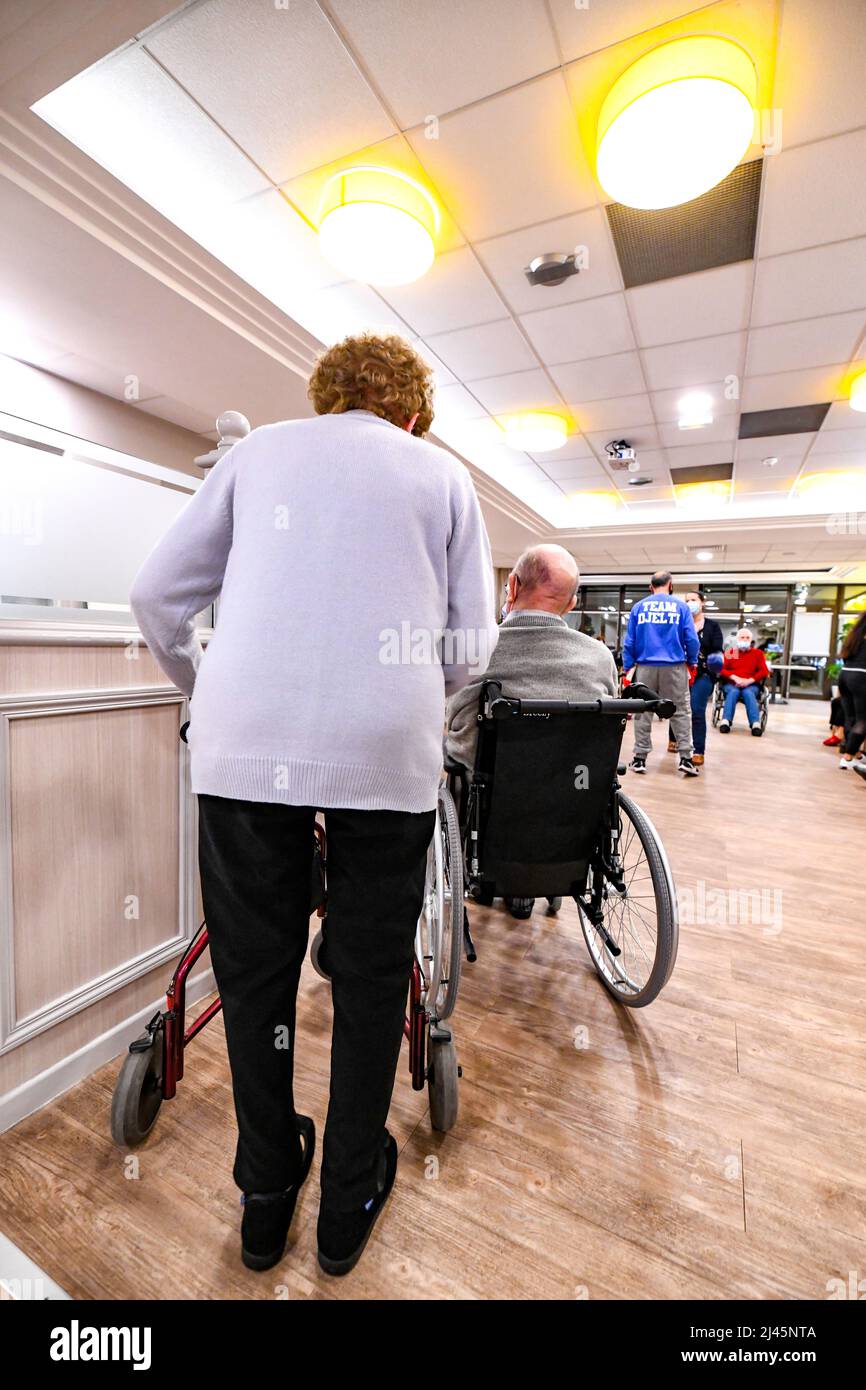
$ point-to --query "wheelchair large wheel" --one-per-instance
(718, 706)
(764, 713)
(639, 914)
(439, 937)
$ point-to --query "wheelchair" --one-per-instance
(154, 1063)
(719, 702)
(543, 815)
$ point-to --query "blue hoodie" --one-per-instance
(661, 632)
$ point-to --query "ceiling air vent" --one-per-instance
(716, 229)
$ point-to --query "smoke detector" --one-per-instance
(639, 482)
(553, 268)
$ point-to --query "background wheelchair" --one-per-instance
(719, 702)
(154, 1064)
(543, 815)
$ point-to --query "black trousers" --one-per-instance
(255, 861)
(852, 693)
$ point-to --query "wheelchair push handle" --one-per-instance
(502, 708)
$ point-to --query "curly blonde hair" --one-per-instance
(377, 372)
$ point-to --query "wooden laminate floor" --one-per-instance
(712, 1145)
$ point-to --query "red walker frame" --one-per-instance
(176, 1036)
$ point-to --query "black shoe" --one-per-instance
(688, 767)
(343, 1235)
(756, 731)
(521, 908)
(268, 1215)
(638, 764)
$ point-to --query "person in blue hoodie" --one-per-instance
(661, 644)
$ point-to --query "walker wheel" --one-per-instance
(138, 1094)
(442, 1083)
(316, 956)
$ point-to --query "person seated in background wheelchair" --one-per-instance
(744, 669)
(538, 656)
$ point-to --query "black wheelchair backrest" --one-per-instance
(545, 771)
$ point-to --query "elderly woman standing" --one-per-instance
(323, 538)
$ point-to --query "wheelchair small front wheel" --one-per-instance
(138, 1094)
(634, 945)
(442, 1082)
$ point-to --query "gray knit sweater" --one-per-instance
(356, 590)
(538, 657)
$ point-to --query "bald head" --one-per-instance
(545, 578)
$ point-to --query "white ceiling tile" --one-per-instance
(840, 441)
(156, 140)
(572, 468)
(491, 349)
(336, 310)
(511, 160)
(751, 469)
(517, 391)
(692, 306)
(586, 477)
(593, 24)
(840, 416)
(264, 241)
(809, 284)
(698, 362)
(600, 377)
(454, 293)
(427, 59)
(814, 194)
(782, 446)
(724, 427)
(616, 415)
(783, 389)
(441, 374)
(747, 487)
(258, 70)
(456, 403)
(593, 328)
(584, 234)
(683, 455)
(808, 343)
(819, 86)
(575, 448)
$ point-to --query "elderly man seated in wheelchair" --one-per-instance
(744, 671)
(538, 656)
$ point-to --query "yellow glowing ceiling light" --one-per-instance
(535, 431)
(858, 392)
(695, 411)
(593, 505)
(702, 495)
(676, 122)
(378, 225)
(832, 489)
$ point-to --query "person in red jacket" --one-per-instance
(745, 665)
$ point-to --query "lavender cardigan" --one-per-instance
(356, 590)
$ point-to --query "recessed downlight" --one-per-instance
(704, 555)
(695, 410)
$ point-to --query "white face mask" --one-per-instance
(744, 643)
(694, 606)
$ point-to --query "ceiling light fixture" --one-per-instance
(594, 505)
(704, 555)
(676, 122)
(695, 411)
(703, 495)
(535, 431)
(858, 392)
(378, 225)
(832, 490)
